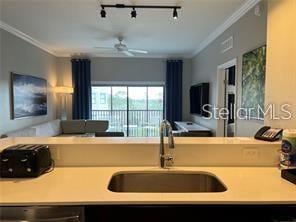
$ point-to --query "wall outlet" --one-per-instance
(55, 154)
(250, 153)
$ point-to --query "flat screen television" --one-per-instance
(199, 96)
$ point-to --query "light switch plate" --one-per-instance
(250, 153)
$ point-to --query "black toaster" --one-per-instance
(23, 161)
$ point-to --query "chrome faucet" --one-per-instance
(166, 160)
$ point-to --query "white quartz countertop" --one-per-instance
(4, 143)
(88, 186)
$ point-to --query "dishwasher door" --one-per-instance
(42, 214)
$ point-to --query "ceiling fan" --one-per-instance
(122, 48)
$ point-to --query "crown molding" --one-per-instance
(216, 33)
(119, 55)
(26, 37)
(229, 22)
(45, 48)
(147, 56)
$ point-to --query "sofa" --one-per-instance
(62, 128)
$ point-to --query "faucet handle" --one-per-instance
(169, 159)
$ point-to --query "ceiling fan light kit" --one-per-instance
(134, 7)
(122, 48)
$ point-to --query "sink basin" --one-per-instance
(165, 182)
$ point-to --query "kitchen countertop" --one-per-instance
(4, 143)
(88, 186)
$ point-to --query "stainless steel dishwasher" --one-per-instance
(42, 214)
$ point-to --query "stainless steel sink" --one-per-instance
(165, 182)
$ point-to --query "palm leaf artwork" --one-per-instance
(253, 82)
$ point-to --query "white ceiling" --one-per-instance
(68, 27)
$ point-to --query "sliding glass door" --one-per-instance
(135, 110)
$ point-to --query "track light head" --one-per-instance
(103, 13)
(134, 13)
(175, 13)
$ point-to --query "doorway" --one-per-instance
(227, 97)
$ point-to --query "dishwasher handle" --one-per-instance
(58, 219)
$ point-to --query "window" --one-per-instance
(94, 98)
(135, 110)
(103, 98)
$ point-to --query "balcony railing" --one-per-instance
(134, 123)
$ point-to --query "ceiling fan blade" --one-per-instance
(104, 48)
(138, 51)
(128, 53)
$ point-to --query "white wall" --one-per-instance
(281, 60)
(152, 70)
(128, 69)
(249, 33)
(22, 57)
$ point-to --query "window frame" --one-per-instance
(133, 84)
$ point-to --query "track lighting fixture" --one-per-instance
(134, 13)
(134, 7)
(103, 12)
(175, 14)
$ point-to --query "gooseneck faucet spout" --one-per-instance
(166, 160)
